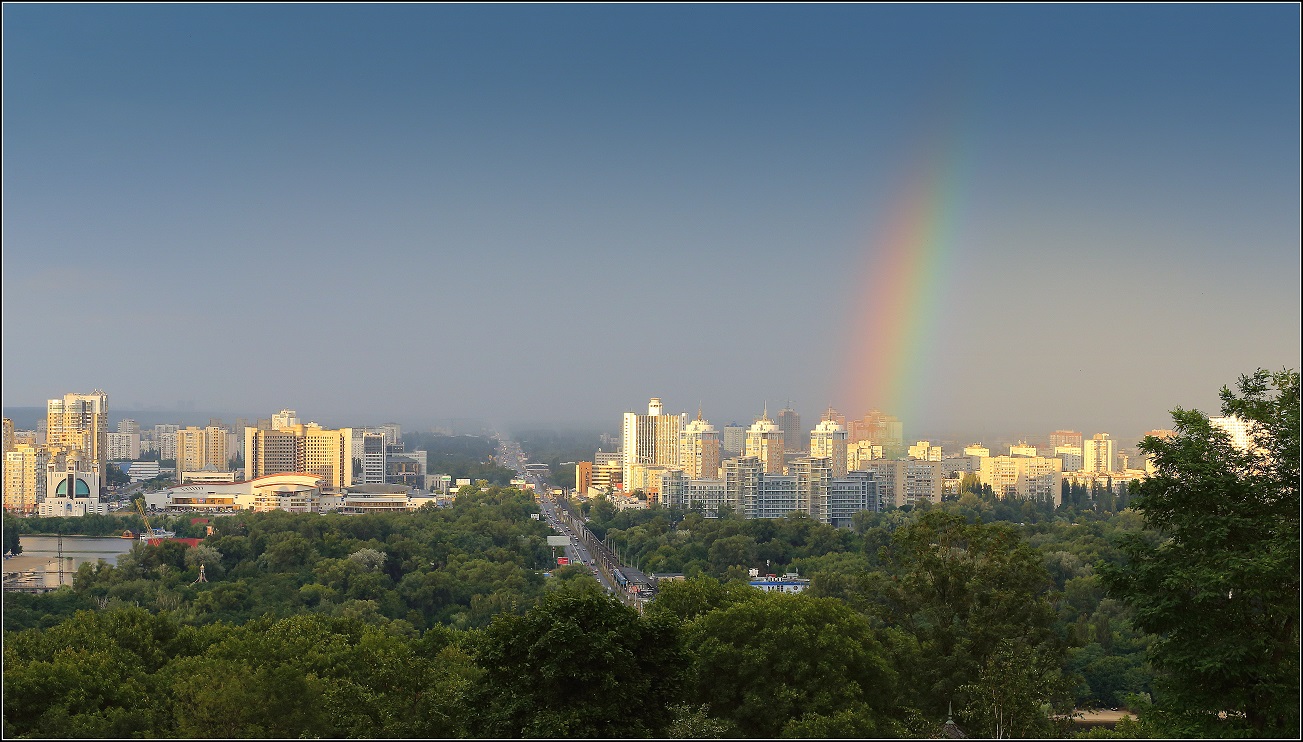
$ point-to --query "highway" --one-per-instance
(583, 548)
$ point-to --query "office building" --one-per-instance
(828, 440)
(307, 449)
(373, 457)
(651, 439)
(1099, 454)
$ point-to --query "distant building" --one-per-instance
(24, 477)
(1022, 448)
(651, 439)
(794, 436)
(765, 442)
(1024, 477)
(124, 446)
(72, 491)
(828, 440)
(907, 481)
(306, 449)
(977, 449)
(1071, 457)
(860, 453)
(925, 451)
(80, 422)
(1065, 438)
(1240, 431)
(583, 476)
(699, 450)
(1099, 454)
(373, 458)
(735, 439)
(284, 419)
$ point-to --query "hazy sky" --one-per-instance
(552, 213)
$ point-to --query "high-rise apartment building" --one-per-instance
(813, 478)
(123, 446)
(860, 453)
(583, 476)
(1065, 438)
(306, 449)
(765, 442)
(977, 449)
(828, 440)
(742, 482)
(925, 451)
(8, 435)
(165, 441)
(699, 448)
(1099, 454)
(907, 481)
(1022, 448)
(848, 495)
(128, 426)
(834, 416)
(735, 439)
(284, 419)
(24, 477)
(882, 430)
(1026, 477)
(789, 421)
(1071, 457)
(80, 422)
(1239, 430)
(651, 439)
(198, 449)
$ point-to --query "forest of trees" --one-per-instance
(442, 623)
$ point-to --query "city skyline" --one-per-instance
(1004, 219)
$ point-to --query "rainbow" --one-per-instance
(902, 292)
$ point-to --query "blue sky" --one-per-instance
(552, 213)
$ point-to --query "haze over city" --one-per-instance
(982, 220)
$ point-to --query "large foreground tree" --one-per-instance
(1220, 586)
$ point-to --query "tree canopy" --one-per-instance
(1219, 588)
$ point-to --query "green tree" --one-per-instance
(577, 664)
(790, 659)
(1221, 589)
(12, 545)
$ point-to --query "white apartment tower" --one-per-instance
(699, 446)
(1099, 454)
(828, 440)
(765, 442)
(651, 439)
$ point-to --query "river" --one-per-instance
(40, 554)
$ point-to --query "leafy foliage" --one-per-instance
(1220, 589)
